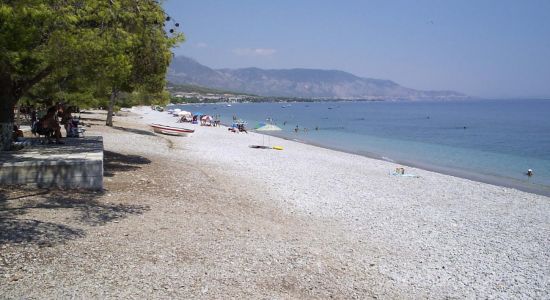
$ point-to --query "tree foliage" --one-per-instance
(78, 50)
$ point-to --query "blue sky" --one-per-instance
(493, 49)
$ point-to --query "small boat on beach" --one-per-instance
(170, 130)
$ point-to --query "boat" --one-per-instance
(170, 130)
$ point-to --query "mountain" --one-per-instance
(304, 83)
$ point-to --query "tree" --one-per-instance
(142, 97)
(119, 43)
(61, 85)
(135, 49)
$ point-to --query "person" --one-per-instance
(241, 128)
(66, 119)
(529, 173)
(34, 118)
(48, 124)
(59, 109)
(296, 129)
(17, 133)
(183, 118)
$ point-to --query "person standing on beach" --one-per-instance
(296, 129)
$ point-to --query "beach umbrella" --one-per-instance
(184, 113)
(206, 119)
(261, 124)
(268, 127)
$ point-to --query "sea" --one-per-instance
(493, 141)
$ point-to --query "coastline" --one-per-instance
(499, 160)
(415, 218)
(464, 174)
(207, 216)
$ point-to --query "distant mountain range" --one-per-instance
(303, 83)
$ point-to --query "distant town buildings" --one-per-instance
(211, 97)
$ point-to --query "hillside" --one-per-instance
(305, 83)
(192, 88)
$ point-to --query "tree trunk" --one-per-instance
(112, 101)
(10, 93)
(6, 120)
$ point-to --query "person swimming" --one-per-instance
(529, 173)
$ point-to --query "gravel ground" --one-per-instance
(208, 217)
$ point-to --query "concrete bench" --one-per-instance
(77, 164)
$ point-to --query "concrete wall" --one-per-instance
(73, 167)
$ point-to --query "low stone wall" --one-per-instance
(78, 164)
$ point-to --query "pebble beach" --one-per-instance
(207, 216)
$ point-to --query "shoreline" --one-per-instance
(417, 225)
(208, 216)
(464, 174)
(471, 163)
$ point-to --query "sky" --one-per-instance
(483, 48)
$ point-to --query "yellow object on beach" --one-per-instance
(278, 147)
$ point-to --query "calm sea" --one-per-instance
(494, 141)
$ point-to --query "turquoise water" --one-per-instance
(495, 140)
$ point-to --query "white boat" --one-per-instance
(170, 130)
(228, 105)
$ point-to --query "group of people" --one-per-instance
(238, 127)
(205, 120)
(296, 129)
(50, 124)
(185, 118)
